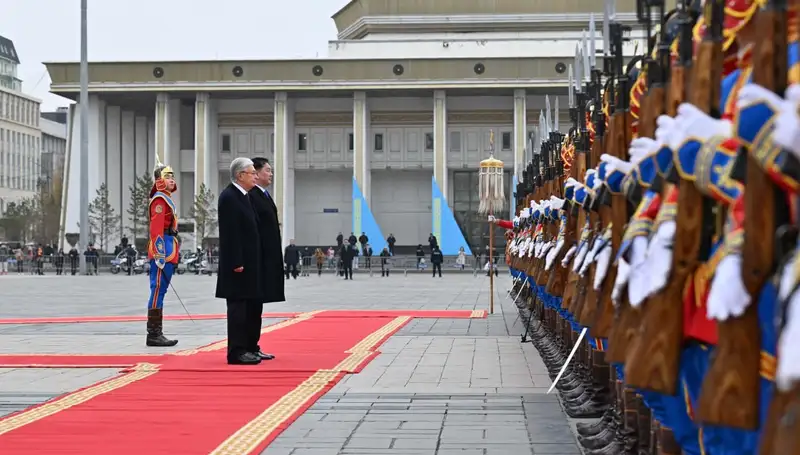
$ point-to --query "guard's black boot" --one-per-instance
(155, 334)
(586, 410)
(599, 440)
(592, 429)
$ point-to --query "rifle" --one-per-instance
(617, 141)
(599, 208)
(655, 360)
(730, 392)
(626, 317)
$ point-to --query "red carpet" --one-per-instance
(197, 404)
(449, 314)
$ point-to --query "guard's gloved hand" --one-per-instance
(603, 260)
(583, 250)
(788, 369)
(492, 219)
(787, 122)
(568, 257)
(658, 263)
(590, 257)
(623, 274)
(692, 122)
(638, 282)
(727, 297)
(642, 147)
(553, 254)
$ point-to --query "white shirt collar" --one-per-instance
(240, 188)
(261, 188)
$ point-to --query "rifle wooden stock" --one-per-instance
(775, 433)
(624, 332)
(589, 311)
(558, 275)
(733, 378)
(661, 375)
(619, 217)
(654, 360)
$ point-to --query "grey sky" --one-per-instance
(49, 30)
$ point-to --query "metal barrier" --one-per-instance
(307, 266)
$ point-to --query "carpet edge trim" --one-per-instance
(36, 413)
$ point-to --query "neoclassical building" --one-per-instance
(382, 136)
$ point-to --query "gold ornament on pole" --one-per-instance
(491, 191)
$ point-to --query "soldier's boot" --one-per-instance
(155, 327)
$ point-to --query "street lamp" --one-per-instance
(84, 133)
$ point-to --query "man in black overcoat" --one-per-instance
(240, 276)
(271, 257)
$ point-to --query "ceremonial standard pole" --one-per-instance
(84, 156)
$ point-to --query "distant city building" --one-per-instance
(20, 135)
(9, 60)
(54, 146)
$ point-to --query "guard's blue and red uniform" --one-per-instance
(162, 250)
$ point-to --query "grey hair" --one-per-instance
(238, 166)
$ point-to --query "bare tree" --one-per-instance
(102, 217)
(204, 213)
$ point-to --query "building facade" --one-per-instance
(53, 126)
(383, 136)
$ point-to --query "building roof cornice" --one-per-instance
(473, 22)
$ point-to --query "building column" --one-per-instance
(361, 155)
(439, 161)
(72, 169)
(202, 131)
(202, 141)
(162, 141)
(283, 178)
(362, 219)
(520, 131)
(141, 136)
(128, 167)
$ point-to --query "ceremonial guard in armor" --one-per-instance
(162, 250)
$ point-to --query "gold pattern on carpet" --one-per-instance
(247, 438)
(139, 372)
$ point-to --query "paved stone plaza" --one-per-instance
(439, 386)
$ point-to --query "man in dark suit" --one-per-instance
(239, 279)
(271, 258)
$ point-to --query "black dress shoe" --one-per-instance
(263, 356)
(247, 358)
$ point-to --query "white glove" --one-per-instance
(542, 248)
(638, 282)
(788, 280)
(753, 93)
(492, 219)
(727, 297)
(623, 273)
(787, 123)
(642, 147)
(568, 257)
(659, 256)
(788, 370)
(553, 254)
(583, 250)
(615, 164)
(664, 127)
(590, 257)
(603, 259)
(556, 203)
(692, 122)
(546, 248)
